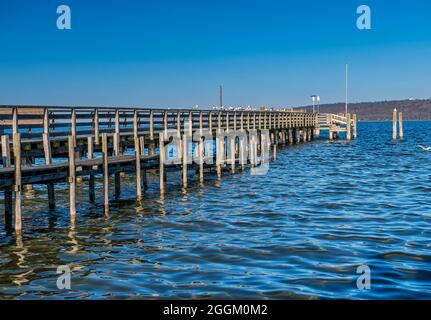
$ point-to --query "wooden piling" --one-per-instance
(400, 120)
(72, 178)
(138, 169)
(91, 182)
(394, 125)
(5, 151)
(8, 203)
(48, 160)
(354, 128)
(201, 160)
(219, 150)
(73, 127)
(18, 186)
(233, 156)
(185, 152)
(96, 127)
(162, 163)
(348, 127)
(105, 172)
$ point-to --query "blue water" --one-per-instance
(299, 232)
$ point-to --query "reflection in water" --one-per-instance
(299, 232)
(21, 251)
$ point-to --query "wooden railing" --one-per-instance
(59, 122)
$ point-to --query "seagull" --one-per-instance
(424, 148)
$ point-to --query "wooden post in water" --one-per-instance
(18, 185)
(105, 172)
(138, 153)
(96, 127)
(91, 185)
(162, 162)
(400, 120)
(232, 151)
(290, 136)
(394, 125)
(151, 147)
(185, 146)
(348, 127)
(48, 158)
(219, 150)
(201, 160)
(138, 169)
(354, 129)
(8, 203)
(72, 178)
(73, 126)
(117, 153)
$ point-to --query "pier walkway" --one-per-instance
(50, 145)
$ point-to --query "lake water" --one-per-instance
(299, 232)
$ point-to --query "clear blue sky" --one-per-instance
(175, 53)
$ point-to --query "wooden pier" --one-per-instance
(51, 145)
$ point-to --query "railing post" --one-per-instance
(18, 185)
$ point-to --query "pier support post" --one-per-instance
(138, 169)
(91, 192)
(233, 155)
(72, 178)
(8, 203)
(117, 178)
(48, 160)
(105, 172)
(162, 162)
(400, 118)
(290, 136)
(185, 148)
(394, 125)
(304, 135)
(201, 160)
(348, 127)
(8, 209)
(354, 129)
(18, 185)
(219, 152)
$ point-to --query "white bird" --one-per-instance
(424, 148)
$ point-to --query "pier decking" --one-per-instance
(49, 145)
